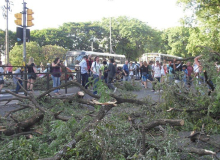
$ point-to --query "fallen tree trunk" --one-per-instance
(23, 125)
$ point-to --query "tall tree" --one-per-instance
(175, 41)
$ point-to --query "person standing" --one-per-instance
(150, 70)
(89, 64)
(95, 68)
(41, 67)
(56, 75)
(111, 75)
(125, 71)
(157, 74)
(185, 74)
(137, 69)
(31, 73)
(17, 78)
(141, 63)
(171, 71)
(190, 71)
(163, 73)
(9, 69)
(131, 71)
(84, 70)
(2, 71)
(104, 70)
(144, 74)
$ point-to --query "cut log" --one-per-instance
(198, 136)
(80, 94)
(23, 125)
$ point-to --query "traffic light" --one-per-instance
(18, 20)
(30, 18)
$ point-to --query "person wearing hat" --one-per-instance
(84, 71)
(17, 78)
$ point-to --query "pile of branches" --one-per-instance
(35, 103)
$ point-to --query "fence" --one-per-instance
(43, 81)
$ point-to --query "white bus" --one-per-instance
(157, 56)
(74, 57)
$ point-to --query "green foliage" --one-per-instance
(50, 52)
(12, 41)
(128, 86)
(175, 41)
(19, 149)
(43, 54)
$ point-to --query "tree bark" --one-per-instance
(23, 125)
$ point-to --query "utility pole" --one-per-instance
(6, 8)
(6, 34)
(24, 45)
(24, 32)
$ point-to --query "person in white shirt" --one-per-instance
(131, 71)
(157, 74)
(84, 70)
(96, 73)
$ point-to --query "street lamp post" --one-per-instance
(6, 35)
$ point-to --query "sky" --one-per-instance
(160, 14)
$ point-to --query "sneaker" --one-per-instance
(152, 90)
(115, 89)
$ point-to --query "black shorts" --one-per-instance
(32, 76)
(2, 82)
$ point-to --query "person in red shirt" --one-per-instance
(9, 69)
(190, 71)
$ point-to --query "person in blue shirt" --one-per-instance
(185, 73)
(125, 71)
(170, 68)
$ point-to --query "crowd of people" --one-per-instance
(18, 76)
(173, 71)
(154, 72)
(105, 71)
